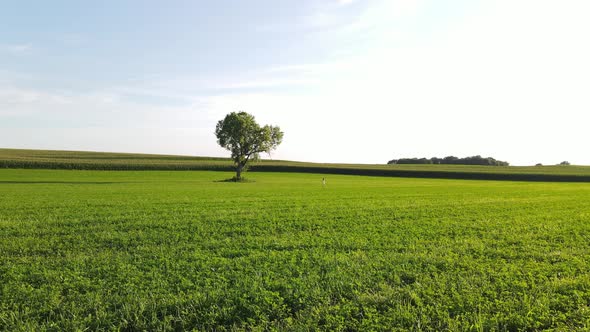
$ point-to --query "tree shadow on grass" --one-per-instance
(234, 180)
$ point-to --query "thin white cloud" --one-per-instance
(345, 2)
(322, 20)
(328, 15)
(30, 107)
(16, 49)
(187, 89)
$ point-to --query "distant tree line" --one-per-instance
(451, 160)
(563, 163)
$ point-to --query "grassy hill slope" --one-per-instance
(48, 159)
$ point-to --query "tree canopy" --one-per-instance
(246, 139)
(451, 160)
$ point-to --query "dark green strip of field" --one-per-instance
(47, 159)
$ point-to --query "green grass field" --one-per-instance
(45, 159)
(163, 250)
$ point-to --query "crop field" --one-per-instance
(49, 159)
(183, 250)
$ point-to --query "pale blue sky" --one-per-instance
(359, 81)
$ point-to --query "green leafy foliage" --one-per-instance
(246, 139)
(451, 160)
(101, 250)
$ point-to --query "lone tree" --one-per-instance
(240, 134)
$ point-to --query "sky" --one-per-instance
(350, 81)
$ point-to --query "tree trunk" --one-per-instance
(239, 172)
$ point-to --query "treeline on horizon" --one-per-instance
(451, 160)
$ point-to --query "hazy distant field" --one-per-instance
(157, 250)
(12, 158)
